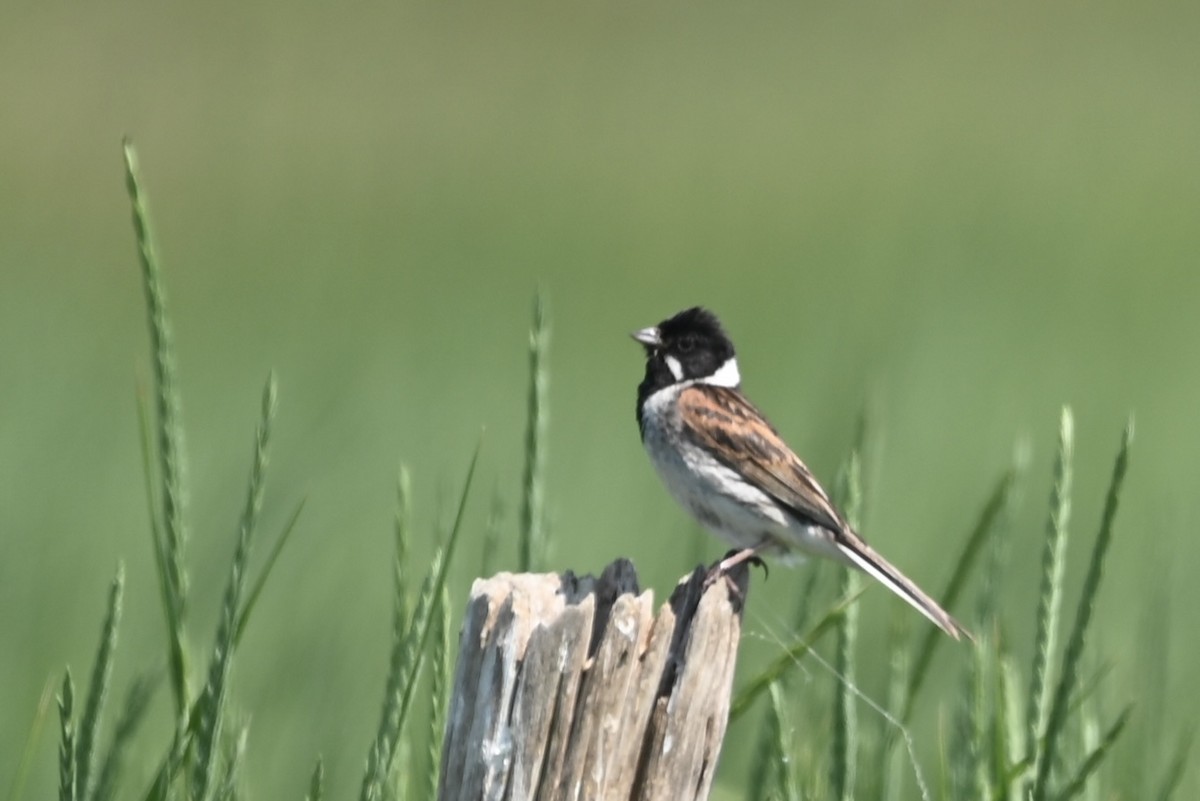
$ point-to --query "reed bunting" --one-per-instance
(727, 465)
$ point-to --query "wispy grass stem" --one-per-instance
(790, 658)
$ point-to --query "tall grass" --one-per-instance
(169, 531)
(1050, 745)
(206, 753)
(1045, 738)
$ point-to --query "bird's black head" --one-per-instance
(691, 346)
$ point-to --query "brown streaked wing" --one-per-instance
(722, 421)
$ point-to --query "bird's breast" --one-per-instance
(719, 497)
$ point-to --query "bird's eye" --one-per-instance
(686, 345)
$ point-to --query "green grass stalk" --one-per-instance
(212, 706)
(414, 647)
(172, 474)
(1095, 757)
(844, 761)
(1050, 595)
(133, 712)
(1009, 744)
(968, 772)
(781, 748)
(389, 721)
(934, 637)
(89, 730)
(67, 785)
(439, 689)
(41, 712)
(235, 757)
(316, 784)
(533, 543)
(889, 775)
(1089, 736)
(272, 558)
(1083, 616)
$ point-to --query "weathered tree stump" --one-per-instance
(571, 688)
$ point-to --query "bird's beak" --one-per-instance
(648, 337)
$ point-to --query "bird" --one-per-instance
(724, 462)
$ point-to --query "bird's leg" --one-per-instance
(734, 558)
(731, 560)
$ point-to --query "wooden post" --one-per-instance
(570, 688)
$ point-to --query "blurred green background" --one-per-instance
(957, 216)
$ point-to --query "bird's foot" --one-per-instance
(739, 556)
(732, 559)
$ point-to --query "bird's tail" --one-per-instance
(864, 557)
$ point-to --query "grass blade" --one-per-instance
(844, 762)
(1008, 733)
(170, 438)
(85, 748)
(1085, 690)
(532, 539)
(781, 748)
(1050, 595)
(146, 441)
(439, 688)
(256, 589)
(889, 777)
(1083, 617)
(17, 788)
(991, 588)
(1095, 757)
(421, 623)
(1089, 741)
(316, 785)
(211, 711)
(173, 763)
(789, 658)
(401, 534)
(234, 757)
(968, 773)
(933, 637)
(414, 645)
(389, 729)
(67, 768)
(137, 701)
